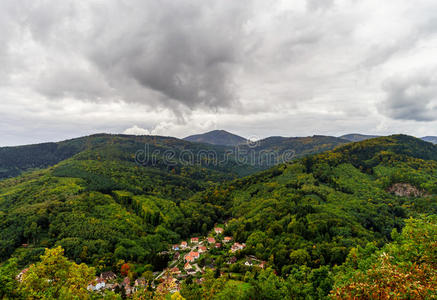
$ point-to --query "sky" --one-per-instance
(256, 68)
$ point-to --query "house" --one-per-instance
(195, 240)
(188, 267)
(108, 276)
(177, 255)
(201, 249)
(249, 263)
(140, 282)
(184, 245)
(20, 276)
(175, 270)
(99, 285)
(126, 281)
(227, 239)
(237, 246)
(175, 247)
(218, 230)
(218, 245)
(211, 240)
(262, 265)
(189, 258)
(194, 254)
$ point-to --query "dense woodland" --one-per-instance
(343, 223)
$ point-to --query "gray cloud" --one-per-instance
(178, 67)
(183, 54)
(411, 97)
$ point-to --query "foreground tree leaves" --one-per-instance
(55, 277)
(404, 269)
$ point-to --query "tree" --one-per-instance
(8, 284)
(124, 270)
(404, 269)
(299, 257)
(55, 277)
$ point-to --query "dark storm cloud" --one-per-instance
(411, 97)
(183, 52)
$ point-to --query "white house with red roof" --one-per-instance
(194, 240)
(184, 245)
(211, 240)
(201, 249)
(227, 239)
(194, 254)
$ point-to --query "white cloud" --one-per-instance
(135, 130)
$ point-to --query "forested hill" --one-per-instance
(356, 137)
(15, 160)
(217, 137)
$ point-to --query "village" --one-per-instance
(190, 259)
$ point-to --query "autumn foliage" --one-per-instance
(405, 269)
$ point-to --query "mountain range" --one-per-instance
(222, 137)
(259, 154)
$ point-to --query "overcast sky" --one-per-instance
(256, 68)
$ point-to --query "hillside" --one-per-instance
(217, 137)
(15, 160)
(273, 150)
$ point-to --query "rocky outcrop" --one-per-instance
(405, 190)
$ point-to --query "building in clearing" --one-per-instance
(218, 230)
(188, 267)
(189, 258)
(194, 254)
(237, 246)
(194, 240)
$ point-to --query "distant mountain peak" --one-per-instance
(217, 137)
(430, 139)
(357, 137)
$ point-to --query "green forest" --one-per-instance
(338, 221)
